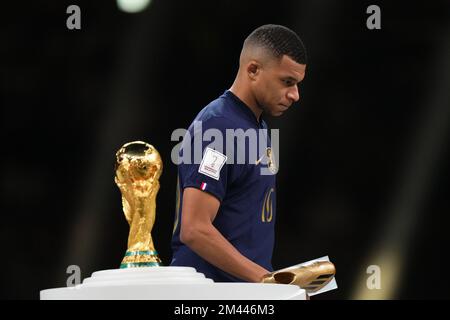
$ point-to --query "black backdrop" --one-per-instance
(363, 158)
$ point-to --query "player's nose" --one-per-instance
(293, 94)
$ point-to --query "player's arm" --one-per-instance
(199, 234)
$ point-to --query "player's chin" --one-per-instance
(278, 111)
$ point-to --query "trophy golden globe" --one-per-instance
(138, 168)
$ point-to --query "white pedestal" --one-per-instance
(168, 283)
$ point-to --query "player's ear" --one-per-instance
(253, 69)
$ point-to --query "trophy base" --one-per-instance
(168, 283)
(139, 259)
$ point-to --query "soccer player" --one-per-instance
(225, 215)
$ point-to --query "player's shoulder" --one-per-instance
(217, 113)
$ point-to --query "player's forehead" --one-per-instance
(288, 67)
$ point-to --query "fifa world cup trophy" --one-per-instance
(138, 168)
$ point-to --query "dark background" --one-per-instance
(364, 158)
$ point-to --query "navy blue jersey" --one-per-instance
(232, 172)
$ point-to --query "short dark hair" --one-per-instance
(279, 41)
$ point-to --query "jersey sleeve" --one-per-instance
(204, 161)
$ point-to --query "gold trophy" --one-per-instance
(138, 168)
(311, 277)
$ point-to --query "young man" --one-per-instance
(224, 224)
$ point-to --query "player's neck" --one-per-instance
(245, 96)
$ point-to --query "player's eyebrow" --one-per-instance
(291, 78)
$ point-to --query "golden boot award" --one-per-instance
(311, 277)
(138, 168)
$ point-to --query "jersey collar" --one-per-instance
(244, 108)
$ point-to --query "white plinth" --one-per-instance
(168, 283)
